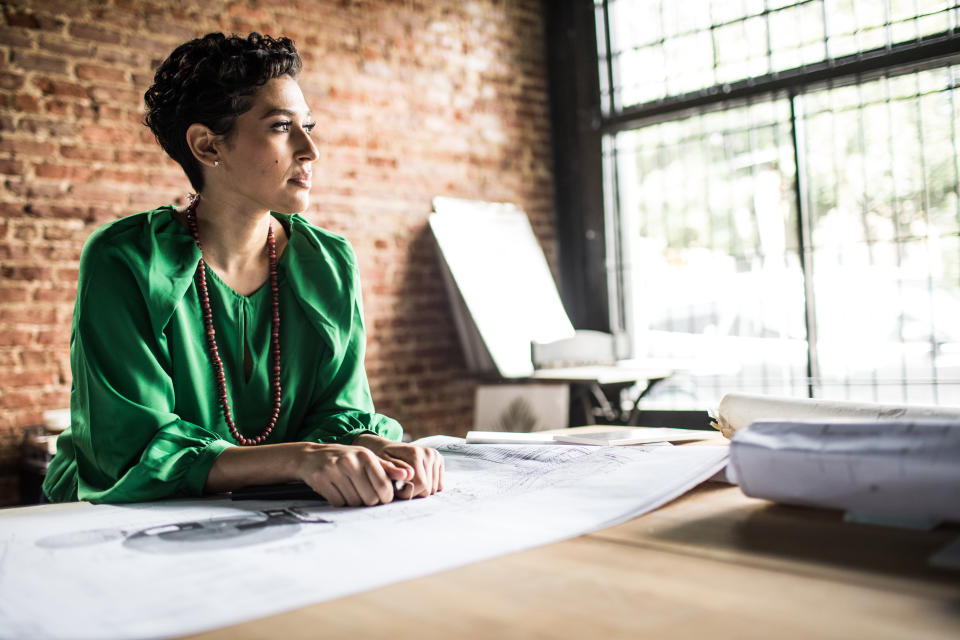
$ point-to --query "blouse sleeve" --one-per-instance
(129, 444)
(342, 407)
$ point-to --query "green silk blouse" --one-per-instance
(145, 419)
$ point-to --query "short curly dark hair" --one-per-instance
(209, 81)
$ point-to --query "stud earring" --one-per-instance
(216, 163)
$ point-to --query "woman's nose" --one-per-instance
(309, 152)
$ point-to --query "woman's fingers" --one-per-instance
(426, 464)
(329, 491)
(438, 473)
(353, 476)
(381, 487)
(423, 478)
(348, 475)
(405, 492)
(397, 469)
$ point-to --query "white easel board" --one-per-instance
(503, 278)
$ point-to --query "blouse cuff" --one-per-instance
(196, 478)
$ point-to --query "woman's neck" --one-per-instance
(234, 241)
(234, 238)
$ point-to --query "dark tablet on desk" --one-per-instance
(283, 491)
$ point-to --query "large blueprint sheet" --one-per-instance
(179, 567)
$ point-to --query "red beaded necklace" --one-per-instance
(212, 340)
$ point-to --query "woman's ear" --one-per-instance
(203, 144)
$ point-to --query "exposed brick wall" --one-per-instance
(413, 99)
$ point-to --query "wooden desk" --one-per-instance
(713, 564)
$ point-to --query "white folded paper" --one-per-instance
(904, 472)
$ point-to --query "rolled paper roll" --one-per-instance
(896, 472)
(740, 410)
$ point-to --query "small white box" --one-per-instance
(521, 407)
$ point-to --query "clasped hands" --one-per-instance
(368, 471)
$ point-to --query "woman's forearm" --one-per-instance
(267, 464)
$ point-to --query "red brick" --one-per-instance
(26, 102)
(107, 135)
(27, 379)
(69, 253)
(13, 37)
(97, 193)
(110, 175)
(112, 18)
(98, 34)
(130, 57)
(100, 214)
(57, 107)
(49, 190)
(11, 167)
(85, 112)
(34, 358)
(86, 152)
(56, 294)
(9, 357)
(55, 398)
(65, 231)
(47, 127)
(115, 95)
(32, 21)
(26, 147)
(20, 399)
(179, 32)
(15, 252)
(97, 72)
(23, 315)
(24, 273)
(59, 88)
(65, 46)
(55, 171)
(25, 232)
(60, 210)
(39, 62)
(10, 81)
(16, 337)
(75, 9)
(54, 336)
(13, 294)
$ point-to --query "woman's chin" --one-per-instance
(292, 205)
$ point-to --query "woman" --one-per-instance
(221, 344)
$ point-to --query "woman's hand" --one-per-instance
(424, 464)
(351, 475)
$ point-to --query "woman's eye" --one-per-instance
(282, 126)
(309, 127)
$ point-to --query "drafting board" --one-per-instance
(502, 282)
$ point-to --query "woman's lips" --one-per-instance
(302, 180)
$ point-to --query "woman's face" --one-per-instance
(266, 159)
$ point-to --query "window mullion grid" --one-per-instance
(952, 72)
(925, 194)
(898, 235)
(709, 200)
(864, 215)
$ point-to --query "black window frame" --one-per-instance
(580, 123)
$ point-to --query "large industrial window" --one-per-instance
(782, 194)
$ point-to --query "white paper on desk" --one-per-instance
(883, 471)
(81, 571)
